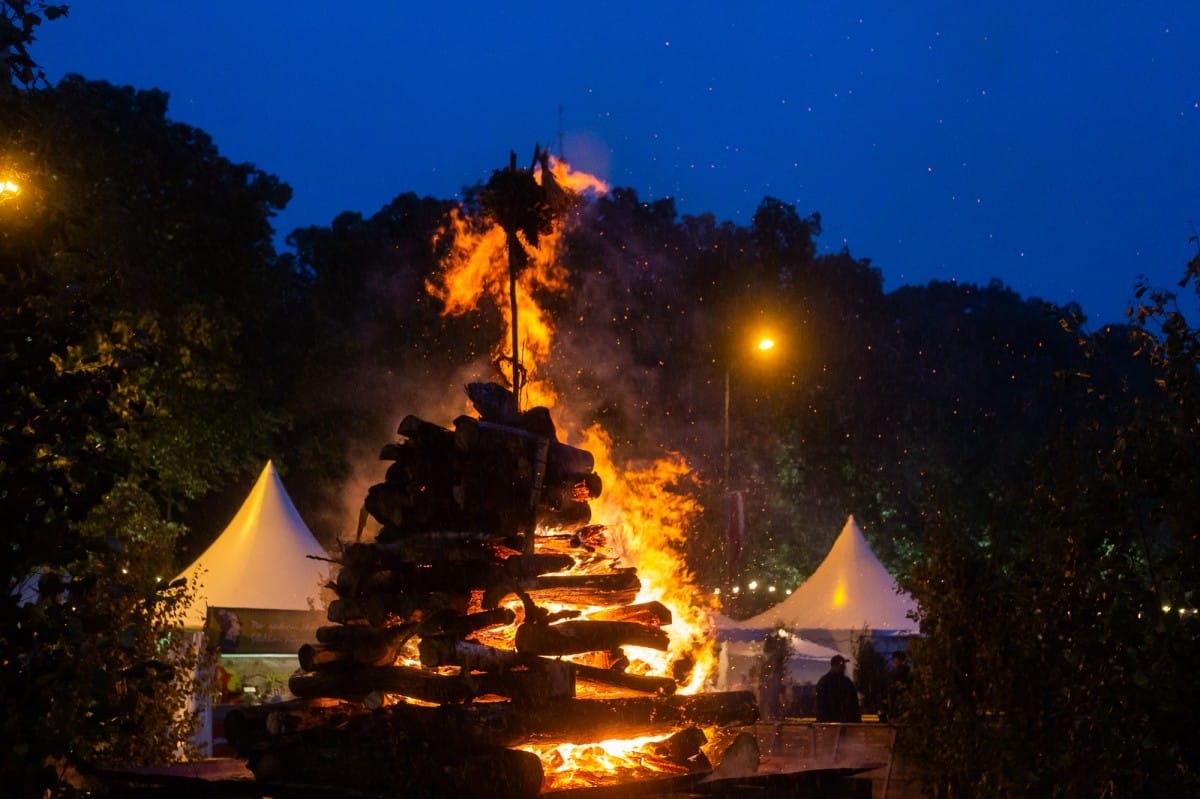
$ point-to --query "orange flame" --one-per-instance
(645, 519)
(604, 762)
(647, 522)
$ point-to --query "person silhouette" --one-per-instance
(837, 697)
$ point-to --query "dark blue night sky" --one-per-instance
(1054, 146)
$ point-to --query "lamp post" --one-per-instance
(734, 514)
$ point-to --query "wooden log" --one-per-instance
(420, 547)
(583, 635)
(520, 567)
(458, 625)
(584, 590)
(584, 720)
(566, 515)
(443, 651)
(348, 636)
(532, 683)
(357, 682)
(354, 581)
(617, 579)
(317, 657)
(378, 647)
(499, 723)
(377, 609)
(253, 727)
(645, 683)
(655, 613)
(573, 719)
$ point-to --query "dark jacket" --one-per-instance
(837, 698)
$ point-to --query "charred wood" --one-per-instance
(603, 589)
(532, 683)
(251, 727)
(458, 625)
(644, 683)
(498, 723)
(357, 682)
(655, 613)
(439, 650)
(584, 635)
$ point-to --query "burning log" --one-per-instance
(357, 682)
(498, 723)
(521, 567)
(457, 625)
(655, 613)
(585, 635)
(645, 683)
(583, 720)
(619, 587)
(528, 683)
(443, 651)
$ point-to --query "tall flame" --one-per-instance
(647, 523)
(646, 520)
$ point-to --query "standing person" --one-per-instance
(837, 698)
(897, 685)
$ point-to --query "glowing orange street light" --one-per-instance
(9, 189)
(764, 345)
(734, 513)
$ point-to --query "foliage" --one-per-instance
(1059, 615)
(136, 286)
(870, 673)
(99, 672)
(19, 21)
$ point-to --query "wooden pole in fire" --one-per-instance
(513, 268)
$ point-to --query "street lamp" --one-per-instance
(734, 510)
(765, 345)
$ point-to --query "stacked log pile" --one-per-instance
(425, 672)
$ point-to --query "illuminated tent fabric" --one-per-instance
(849, 591)
(263, 559)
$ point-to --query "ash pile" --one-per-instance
(485, 615)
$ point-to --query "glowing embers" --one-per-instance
(615, 761)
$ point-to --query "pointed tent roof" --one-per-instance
(850, 590)
(262, 559)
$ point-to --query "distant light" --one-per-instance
(788, 592)
(717, 591)
(753, 585)
(771, 589)
(8, 187)
(765, 344)
(737, 589)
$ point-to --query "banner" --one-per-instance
(254, 631)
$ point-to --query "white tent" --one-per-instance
(263, 559)
(850, 591)
(740, 659)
